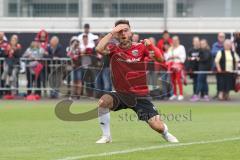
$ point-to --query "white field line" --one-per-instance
(148, 148)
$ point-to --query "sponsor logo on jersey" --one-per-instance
(133, 60)
(135, 52)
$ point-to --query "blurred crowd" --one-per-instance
(89, 71)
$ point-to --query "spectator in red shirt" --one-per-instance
(43, 37)
(3, 44)
(12, 55)
(166, 38)
(3, 50)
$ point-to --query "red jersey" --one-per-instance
(160, 44)
(129, 69)
(3, 48)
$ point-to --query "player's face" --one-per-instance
(125, 34)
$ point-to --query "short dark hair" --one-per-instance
(165, 32)
(86, 25)
(122, 21)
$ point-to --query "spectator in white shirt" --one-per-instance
(91, 37)
(86, 62)
(175, 58)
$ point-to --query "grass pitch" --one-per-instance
(31, 131)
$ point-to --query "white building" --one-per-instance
(145, 15)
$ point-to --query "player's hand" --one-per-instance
(146, 42)
(118, 28)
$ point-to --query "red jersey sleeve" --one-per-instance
(112, 48)
(154, 49)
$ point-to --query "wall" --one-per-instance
(153, 25)
(208, 8)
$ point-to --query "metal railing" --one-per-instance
(33, 75)
(47, 76)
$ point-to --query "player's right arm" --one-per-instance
(102, 45)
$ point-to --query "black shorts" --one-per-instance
(141, 106)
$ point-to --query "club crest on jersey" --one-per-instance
(135, 52)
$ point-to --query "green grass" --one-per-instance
(31, 131)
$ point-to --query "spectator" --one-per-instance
(237, 45)
(3, 51)
(216, 47)
(74, 52)
(204, 64)
(166, 38)
(152, 78)
(166, 91)
(192, 63)
(237, 42)
(3, 44)
(86, 62)
(157, 69)
(103, 79)
(153, 40)
(34, 67)
(42, 37)
(91, 36)
(135, 38)
(226, 63)
(176, 57)
(12, 55)
(54, 50)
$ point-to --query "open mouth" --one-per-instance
(123, 38)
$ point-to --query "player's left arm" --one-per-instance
(154, 52)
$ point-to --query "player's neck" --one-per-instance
(125, 45)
